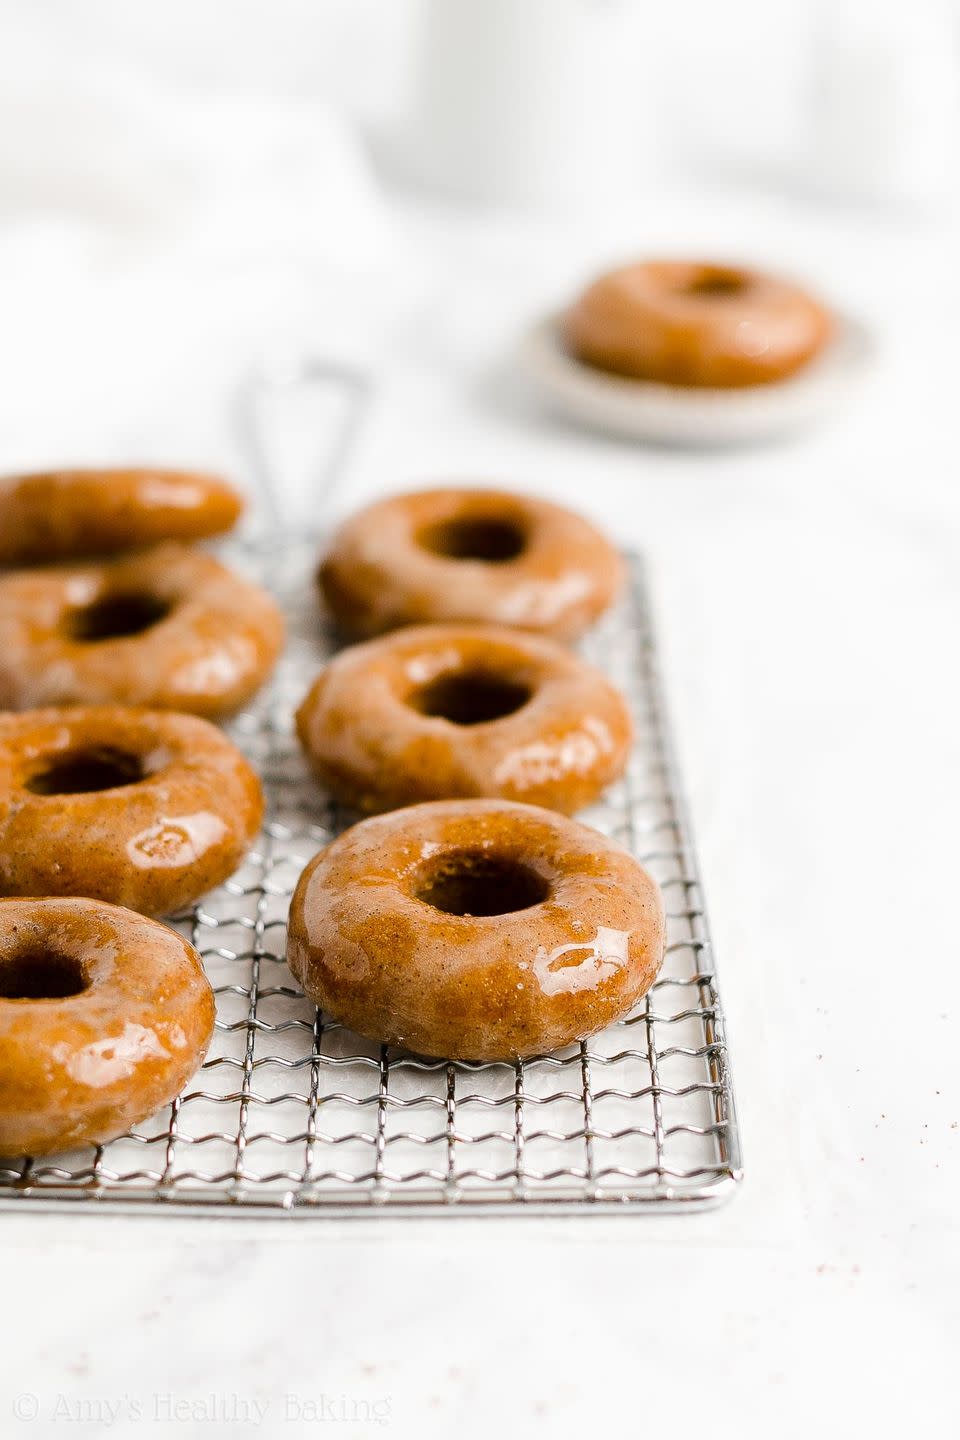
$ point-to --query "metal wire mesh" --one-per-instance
(293, 1113)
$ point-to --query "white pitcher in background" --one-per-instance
(884, 98)
(532, 102)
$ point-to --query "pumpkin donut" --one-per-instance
(143, 808)
(474, 555)
(63, 514)
(694, 323)
(169, 628)
(104, 1016)
(436, 712)
(475, 930)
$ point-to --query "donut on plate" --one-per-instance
(146, 809)
(169, 628)
(442, 711)
(104, 1016)
(64, 514)
(685, 322)
(472, 555)
(475, 930)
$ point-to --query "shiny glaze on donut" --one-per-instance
(695, 323)
(365, 733)
(213, 643)
(82, 1068)
(65, 514)
(484, 556)
(483, 986)
(154, 844)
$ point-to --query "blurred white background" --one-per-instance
(187, 188)
(226, 178)
(747, 86)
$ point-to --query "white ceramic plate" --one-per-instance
(682, 415)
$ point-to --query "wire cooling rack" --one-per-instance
(295, 1114)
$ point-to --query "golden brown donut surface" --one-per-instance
(469, 555)
(146, 809)
(63, 514)
(436, 712)
(696, 323)
(169, 628)
(104, 1016)
(475, 929)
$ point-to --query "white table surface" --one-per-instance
(807, 596)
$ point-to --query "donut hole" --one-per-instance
(470, 697)
(474, 537)
(716, 284)
(114, 617)
(41, 975)
(471, 882)
(80, 772)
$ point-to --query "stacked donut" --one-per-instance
(476, 921)
(118, 801)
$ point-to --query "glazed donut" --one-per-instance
(169, 628)
(475, 930)
(63, 514)
(437, 712)
(104, 1016)
(694, 323)
(143, 808)
(474, 555)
